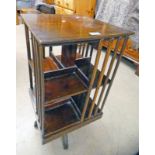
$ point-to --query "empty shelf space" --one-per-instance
(60, 117)
(63, 86)
(87, 68)
(48, 64)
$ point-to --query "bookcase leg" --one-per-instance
(35, 125)
(65, 141)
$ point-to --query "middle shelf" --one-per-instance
(61, 83)
(64, 83)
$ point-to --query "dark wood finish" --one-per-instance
(48, 64)
(71, 128)
(63, 86)
(55, 29)
(60, 58)
(60, 118)
(62, 93)
(52, 105)
(68, 55)
(87, 68)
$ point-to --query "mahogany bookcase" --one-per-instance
(61, 85)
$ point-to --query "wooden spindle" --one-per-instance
(115, 70)
(80, 47)
(37, 76)
(29, 56)
(83, 49)
(108, 52)
(91, 51)
(107, 77)
(87, 49)
(35, 72)
(50, 50)
(42, 87)
(91, 81)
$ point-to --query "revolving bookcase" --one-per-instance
(70, 76)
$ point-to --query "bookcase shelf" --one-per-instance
(48, 64)
(63, 86)
(61, 117)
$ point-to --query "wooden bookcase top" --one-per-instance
(55, 29)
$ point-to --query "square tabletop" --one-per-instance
(56, 29)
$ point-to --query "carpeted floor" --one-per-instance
(115, 134)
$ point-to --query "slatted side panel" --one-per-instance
(85, 49)
(113, 73)
(91, 81)
(95, 100)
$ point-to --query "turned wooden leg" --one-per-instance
(65, 141)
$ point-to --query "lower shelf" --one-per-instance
(71, 128)
(60, 118)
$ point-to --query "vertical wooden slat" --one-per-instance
(27, 42)
(83, 49)
(108, 74)
(28, 55)
(44, 55)
(50, 50)
(108, 52)
(91, 51)
(92, 80)
(115, 70)
(37, 77)
(42, 91)
(35, 61)
(80, 47)
(87, 49)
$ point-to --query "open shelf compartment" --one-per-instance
(87, 67)
(61, 117)
(48, 64)
(64, 83)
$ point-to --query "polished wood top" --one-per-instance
(54, 29)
